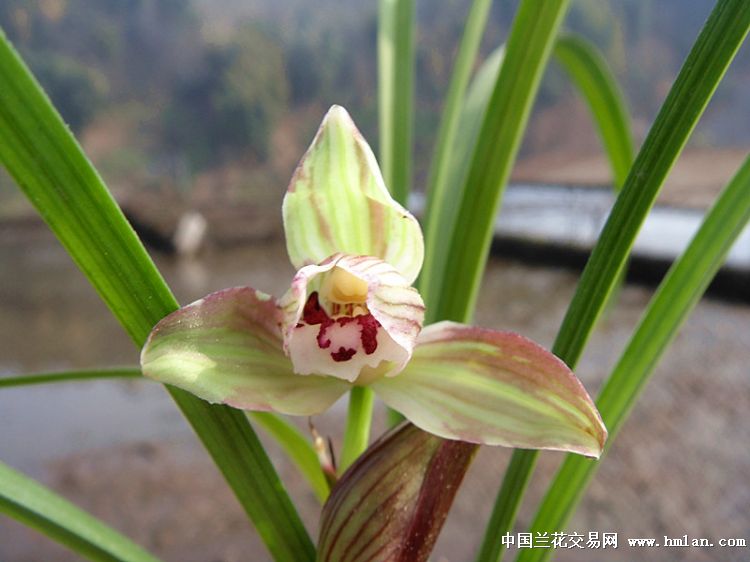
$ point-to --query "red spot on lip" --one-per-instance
(343, 354)
(369, 332)
(314, 314)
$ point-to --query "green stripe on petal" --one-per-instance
(227, 348)
(337, 201)
(494, 388)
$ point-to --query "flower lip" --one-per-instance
(350, 313)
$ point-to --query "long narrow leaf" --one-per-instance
(529, 46)
(676, 297)
(297, 447)
(291, 440)
(38, 507)
(395, 93)
(70, 376)
(701, 73)
(438, 186)
(443, 212)
(590, 73)
(591, 76)
(49, 166)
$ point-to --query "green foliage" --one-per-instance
(673, 302)
(50, 167)
(31, 503)
(452, 283)
(709, 59)
(226, 107)
(396, 93)
(451, 144)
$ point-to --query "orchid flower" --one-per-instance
(352, 318)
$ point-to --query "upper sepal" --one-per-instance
(337, 201)
(494, 388)
(227, 348)
(390, 505)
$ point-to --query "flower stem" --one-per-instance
(359, 419)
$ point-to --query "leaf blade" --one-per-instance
(446, 145)
(291, 440)
(31, 503)
(703, 69)
(669, 308)
(395, 93)
(591, 75)
(46, 162)
(529, 46)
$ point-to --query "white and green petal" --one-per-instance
(351, 317)
(337, 202)
(227, 348)
(495, 388)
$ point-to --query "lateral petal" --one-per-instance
(227, 348)
(496, 388)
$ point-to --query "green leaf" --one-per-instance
(590, 73)
(297, 447)
(592, 77)
(444, 204)
(337, 202)
(44, 159)
(450, 137)
(292, 441)
(240, 456)
(227, 348)
(70, 376)
(701, 73)
(395, 93)
(494, 388)
(391, 504)
(456, 283)
(676, 297)
(38, 507)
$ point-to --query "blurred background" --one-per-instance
(196, 112)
